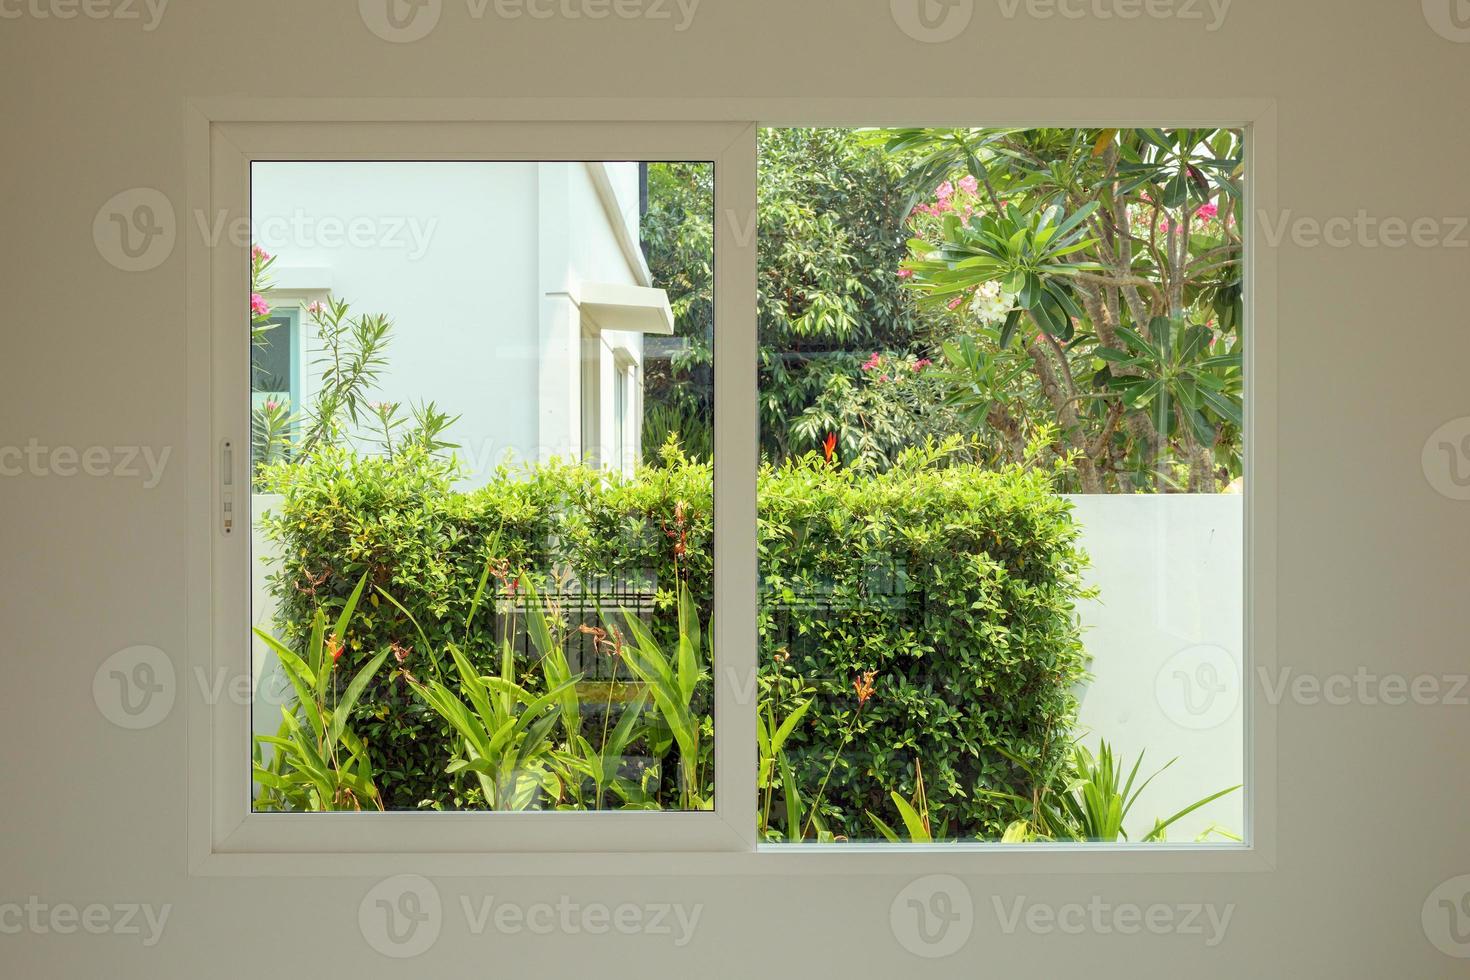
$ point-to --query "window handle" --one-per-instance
(227, 487)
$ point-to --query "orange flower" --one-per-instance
(334, 648)
(829, 446)
(864, 686)
(679, 534)
(613, 647)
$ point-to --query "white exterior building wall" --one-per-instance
(479, 266)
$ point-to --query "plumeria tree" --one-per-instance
(1092, 284)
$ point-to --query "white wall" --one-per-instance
(1371, 565)
(1168, 569)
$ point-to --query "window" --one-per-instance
(548, 590)
(590, 395)
(976, 535)
(626, 429)
(273, 359)
(1002, 522)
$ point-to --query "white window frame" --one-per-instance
(589, 396)
(627, 406)
(222, 138)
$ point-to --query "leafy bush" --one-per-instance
(955, 586)
(830, 224)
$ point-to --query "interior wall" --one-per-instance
(1372, 518)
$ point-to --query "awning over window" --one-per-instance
(614, 306)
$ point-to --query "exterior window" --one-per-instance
(453, 478)
(1001, 521)
(625, 424)
(273, 359)
(591, 400)
(275, 377)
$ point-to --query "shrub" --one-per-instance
(957, 587)
(954, 584)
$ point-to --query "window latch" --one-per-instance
(227, 487)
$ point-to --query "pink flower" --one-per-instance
(314, 308)
(258, 305)
(884, 378)
(954, 304)
(271, 404)
(944, 191)
(921, 364)
(872, 363)
(970, 185)
(905, 273)
(1207, 211)
(258, 253)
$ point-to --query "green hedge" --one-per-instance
(956, 585)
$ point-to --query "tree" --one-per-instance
(1102, 268)
(831, 238)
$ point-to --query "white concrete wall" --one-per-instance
(270, 686)
(1165, 637)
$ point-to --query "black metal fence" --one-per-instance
(586, 608)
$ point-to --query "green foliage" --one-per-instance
(318, 762)
(1114, 257)
(1088, 799)
(897, 403)
(399, 520)
(674, 681)
(505, 731)
(688, 425)
(955, 585)
(831, 239)
(1031, 255)
(353, 355)
(1021, 252)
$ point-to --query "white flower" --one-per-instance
(991, 303)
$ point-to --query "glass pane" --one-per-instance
(1001, 515)
(482, 579)
(270, 356)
